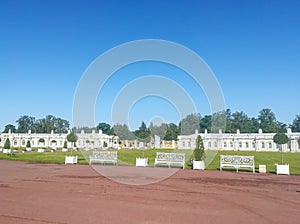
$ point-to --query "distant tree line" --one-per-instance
(43, 125)
(266, 120)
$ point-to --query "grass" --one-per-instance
(127, 157)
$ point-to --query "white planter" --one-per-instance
(41, 150)
(64, 150)
(282, 169)
(141, 162)
(6, 151)
(198, 165)
(1, 149)
(28, 149)
(262, 169)
(71, 159)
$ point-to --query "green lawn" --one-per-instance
(127, 157)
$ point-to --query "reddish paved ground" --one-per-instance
(42, 193)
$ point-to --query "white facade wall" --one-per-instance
(239, 141)
(53, 140)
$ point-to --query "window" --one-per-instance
(15, 142)
(215, 145)
(247, 145)
(270, 145)
(263, 145)
(183, 144)
(189, 144)
(209, 144)
(23, 142)
(225, 144)
(240, 145)
(253, 145)
(231, 144)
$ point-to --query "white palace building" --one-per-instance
(240, 141)
(212, 141)
(54, 140)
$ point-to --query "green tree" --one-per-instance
(267, 121)
(7, 144)
(25, 123)
(205, 123)
(123, 132)
(106, 128)
(199, 153)
(296, 124)
(159, 130)
(143, 133)
(72, 137)
(28, 144)
(65, 144)
(189, 124)
(280, 139)
(218, 121)
(172, 132)
(9, 127)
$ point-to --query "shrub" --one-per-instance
(199, 153)
(65, 144)
(28, 144)
(7, 144)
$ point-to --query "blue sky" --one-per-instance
(253, 48)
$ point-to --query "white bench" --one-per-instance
(237, 162)
(103, 156)
(170, 159)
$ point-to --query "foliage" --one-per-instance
(123, 132)
(199, 153)
(7, 144)
(172, 132)
(41, 140)
(267, 121)
(280, 138)
(296, 124)
(25, 123)
(104, 144)
(72, 137)
(28, 144)
(43, 125)
(205, 123)
(189, 124)
(9, 127)
(65, 144)
(143, 133)
(106, 128)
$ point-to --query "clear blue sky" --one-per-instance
(253, 47)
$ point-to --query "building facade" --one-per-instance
(53, 140)
(240, 141)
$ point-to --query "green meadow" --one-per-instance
(127, 157)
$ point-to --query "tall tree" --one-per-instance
(7, 144)
(9, 127)
(25, 123)
(189, 124)
(61, 125)
(296, 124)
(159, 130)
(123, 132)
(106, 128)
(267, 121)
(143, 133)
(205, 123)
(218, 121)
(172, 132)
